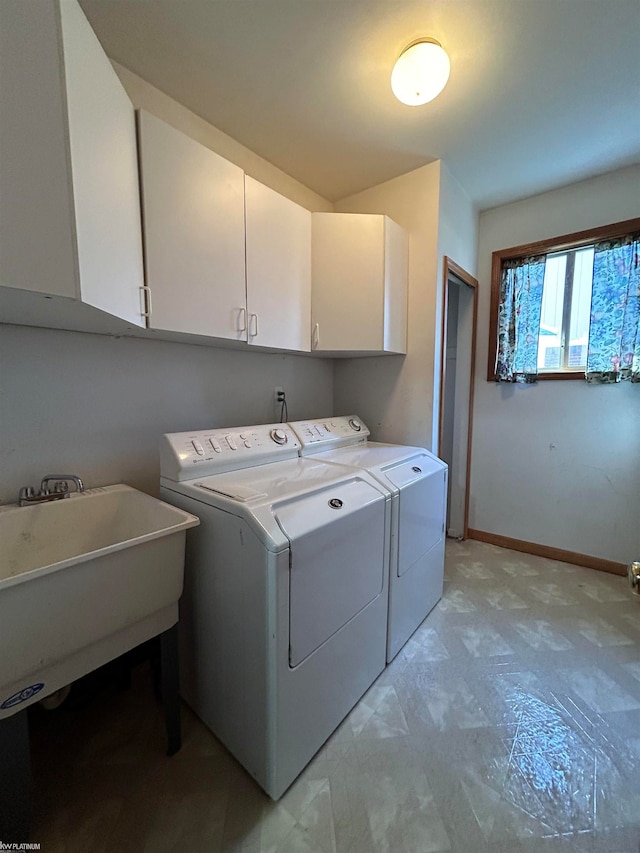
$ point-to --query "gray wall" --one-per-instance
(96, 406)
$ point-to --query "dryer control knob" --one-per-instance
(279, 436)
(353, 423)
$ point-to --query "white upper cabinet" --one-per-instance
(359, 284)
(193, 213)
(226, 258)
(69, 198)
(278, 234)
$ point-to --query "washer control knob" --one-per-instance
(353, 423)
(279, 436)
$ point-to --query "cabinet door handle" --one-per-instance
(145, 308)
(315, 339)
(242, 319)
(253, 325)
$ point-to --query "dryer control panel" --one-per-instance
(329, 433)
(187, 455)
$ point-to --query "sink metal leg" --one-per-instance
(15, 779)
(171, 687)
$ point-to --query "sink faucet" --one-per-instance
(28, 496)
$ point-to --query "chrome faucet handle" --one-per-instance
(27, 496)
(61, 483)
(633, 574)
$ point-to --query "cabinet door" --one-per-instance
(104, 173)
(37, 250)
(193, 214)
(278, 234)
(69, 196)
(396, 286)
(347, 282)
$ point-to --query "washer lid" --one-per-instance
(259, 494)
(234, 490)
(275, 482)
(323, 507)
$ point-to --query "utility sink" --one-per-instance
(83, 580)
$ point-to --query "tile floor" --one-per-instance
(509, 722)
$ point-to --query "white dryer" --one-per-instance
(417, 482)
(284, 611)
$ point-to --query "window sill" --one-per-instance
(561, 374)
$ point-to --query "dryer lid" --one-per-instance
(393, 464)
(410, 470)
(370, 454)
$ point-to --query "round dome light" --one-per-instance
(420, 73)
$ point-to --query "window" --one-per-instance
(549, 321)
(564, 316)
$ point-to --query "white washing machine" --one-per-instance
(417, 482)
(284, 612)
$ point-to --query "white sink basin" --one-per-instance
(82, 580)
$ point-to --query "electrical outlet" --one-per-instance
(278, 395)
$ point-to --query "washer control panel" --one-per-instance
(280, 436)
(330, 433)
(186, 455)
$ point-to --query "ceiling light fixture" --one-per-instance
(420, 73)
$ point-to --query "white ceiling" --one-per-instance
(542, 92)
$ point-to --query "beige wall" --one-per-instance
(557, 463)
(457, 223)
(397, 396)
(458, 241)
(394, 394)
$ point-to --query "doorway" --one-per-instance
(457, 367)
